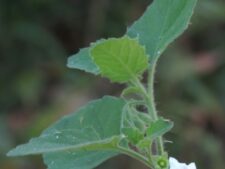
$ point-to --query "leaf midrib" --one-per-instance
(105, 144)
(161, 32)
(163, 29)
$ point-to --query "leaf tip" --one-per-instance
(12, 153)
(68, 64)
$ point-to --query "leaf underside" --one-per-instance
(82, 61)
(162, 22)
(78, 160)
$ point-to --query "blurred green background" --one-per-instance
(36, 88)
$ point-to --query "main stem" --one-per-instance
(151, 103)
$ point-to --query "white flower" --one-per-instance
(174, 164)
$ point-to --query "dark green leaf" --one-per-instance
(162, 22)
(76, 160)
(94, 127)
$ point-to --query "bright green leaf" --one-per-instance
(120, 60)
(162, 22)
(158, 128)
(94, 127)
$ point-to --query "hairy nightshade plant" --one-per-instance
(110, 126)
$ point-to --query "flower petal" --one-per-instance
(175, 164)
(192, 166)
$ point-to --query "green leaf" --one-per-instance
(83, 61)
(76, 160)
(162, 22)
(120, 60)
(158, 128)
(71, 142)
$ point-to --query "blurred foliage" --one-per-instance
(36, 88)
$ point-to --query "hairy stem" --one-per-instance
(151, 103)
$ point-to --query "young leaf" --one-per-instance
(94, 127)
(120, 60)
(162, 22)
(158, 128)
